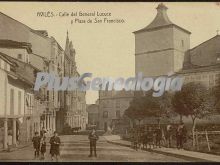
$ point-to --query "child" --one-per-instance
(43, 146)
(9, 143)
(36, 143)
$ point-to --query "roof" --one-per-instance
(7, 59)
(161, 21)
(54, 40)
(18, 64)
(38, 32)
(14, 63)
(15, 44)
(215, 37)
(197, 69)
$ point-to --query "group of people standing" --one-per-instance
(39, 144)
(155, 136)
(180, 132)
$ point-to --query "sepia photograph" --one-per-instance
(109, 81)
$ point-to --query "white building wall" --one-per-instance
(16, 90)
(2, 92)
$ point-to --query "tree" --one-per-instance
(193, 100)
(148, 106)
(216, 93)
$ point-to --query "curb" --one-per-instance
(16, 148)
(189, 158)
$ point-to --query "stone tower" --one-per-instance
(160, 46)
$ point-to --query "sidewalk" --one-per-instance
(174, 152)
(19, 146)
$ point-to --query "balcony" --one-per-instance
(28, 111)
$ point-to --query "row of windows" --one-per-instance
(117, 113)
(200, 77)
(213, 79)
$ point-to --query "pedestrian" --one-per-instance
(184, 132)
(36, 144)
(43, 146)
(93, 137)
(169, 135)
(9, 142)
(179, 136)
(150, 138)
(43, 132)
(55, 146)
(154, 133)
(158, 137)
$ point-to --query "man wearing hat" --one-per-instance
(55, 146)
(93, 137)
(36, 144)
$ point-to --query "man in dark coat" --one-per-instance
(55, 146)
(158, 137)
(93, 137)
(169, 135)
(180, 135)
(36, 144)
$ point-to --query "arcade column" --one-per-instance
(5, 146)
(14, 142)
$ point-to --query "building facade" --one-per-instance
(34, 51)
(163, 47)
(112, 105)
(19, 113)
(93, 115)
(160, 47)
(74, 114)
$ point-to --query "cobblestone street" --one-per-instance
(76, 148)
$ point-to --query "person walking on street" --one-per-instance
(169, 135)
(43, 132)
(55, 146)
(158, 137)
(179, 136)
(43, 146)
(154, 132)
(36, 144)
(9, 142)
(93, 137)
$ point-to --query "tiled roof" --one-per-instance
(14, 44)
(161, 20)
(20, 73)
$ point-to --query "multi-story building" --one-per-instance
(112, 105)
(20, 104)
(36, 48)
(163, 47)
(74, 114)
(202, 63)
(46, 55)
(160, 47)
(93, 115)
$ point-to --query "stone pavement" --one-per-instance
(174, 152)
(76, 149)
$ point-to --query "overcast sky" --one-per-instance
(107, 50)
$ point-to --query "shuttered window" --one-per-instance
(19, 102)
(12, 102)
